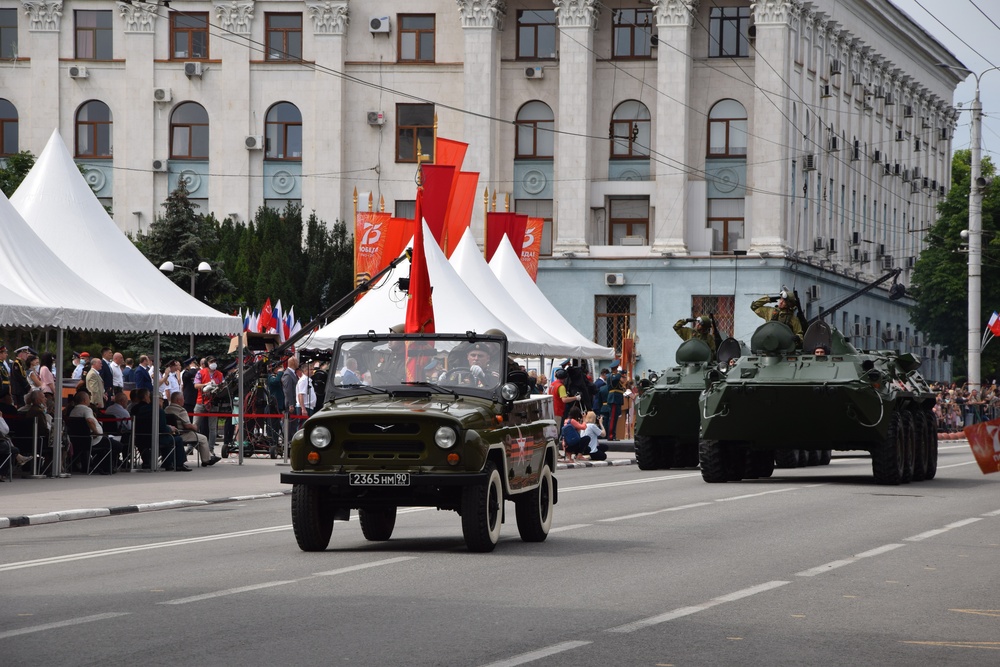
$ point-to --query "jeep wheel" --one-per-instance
(649, 452)
(713, 461)
(481, 508)
(889, 457)
(312, 517)
(377, 524)
(534, 509)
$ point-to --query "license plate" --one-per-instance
(379, 479)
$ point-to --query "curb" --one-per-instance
(93, 513)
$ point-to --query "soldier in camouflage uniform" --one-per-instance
(783, 312)
(702, 330)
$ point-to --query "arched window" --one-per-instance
(283, 132)
(535, 131)
(8, 128)
(93, 130)
(630, 130)
(189, 132)
(727, 130)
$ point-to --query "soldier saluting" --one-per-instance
(704, 330)
(783, 312)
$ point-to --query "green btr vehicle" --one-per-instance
(424, 420)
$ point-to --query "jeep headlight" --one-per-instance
(509, 392)
(320, 437)
(445, 437)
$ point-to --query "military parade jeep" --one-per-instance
(424, 420)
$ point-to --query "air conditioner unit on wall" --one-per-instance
(809, 163)
(614, 278)
(77, 72)
(159, 165)
(834, 67)
(834, 144)
(813, 292)
(534, 72)
(254, 142)
(379, 24)
(886, 263)
(819, 243)
(162, 95)
(194, 69)
(376, 118)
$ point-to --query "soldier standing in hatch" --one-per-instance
(702, 330)
(783, 312)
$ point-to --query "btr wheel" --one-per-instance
(825, 456)
(377, 524)
(932, 445)
(920, 447)
(713, 462)
(534, 509)
(685, 454)
(906, 420)
(649, 452)
(761, 463)
(481, 508)
(786, 458)
(312, 517)
(889, 456)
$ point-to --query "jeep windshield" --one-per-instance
(406, 363)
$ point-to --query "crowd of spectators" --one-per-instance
(957, 406)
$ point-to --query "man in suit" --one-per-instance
(289, 382)
(95, 384)
(141, 376)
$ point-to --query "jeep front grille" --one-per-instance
(387, 428)
(383, 449)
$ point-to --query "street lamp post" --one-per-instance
(203, 267)
(975, 236)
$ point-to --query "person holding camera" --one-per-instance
(594, 429)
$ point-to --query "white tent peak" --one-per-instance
(60, 207)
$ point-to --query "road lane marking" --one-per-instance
(230, 591)
(754, 495)
(938, 531)
(138, 547)
(833, 565)
(364, 566)
(993, 513)
(687, 611)
(538, 655)
(572, 526)
(993, 646)
(61, 624)
(629, 482)
(955, 465)
(651, 513)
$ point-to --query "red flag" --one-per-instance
(266, 316)
(531, 247)
(370, 234)
(463, 200)
(420, 308)
(450, 152)
(436, 182)
(498, 224)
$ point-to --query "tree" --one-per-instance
(14, 170)
(940, 278)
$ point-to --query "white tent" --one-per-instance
(18, 310)
(472, 267)
(508, 269)
(61, 208)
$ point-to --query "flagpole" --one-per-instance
(435, 144)
(486, 217)
(354, 233)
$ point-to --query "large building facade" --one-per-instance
(687, 156)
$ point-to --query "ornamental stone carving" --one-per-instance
(138, 16)
(43, 16)
(675, 12)
(235, 17)
(482, 13)
(776, 12)
(576, 13)
(329, 18)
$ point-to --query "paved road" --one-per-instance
(812, 566)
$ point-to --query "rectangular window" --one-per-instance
(538, 208)
(725, 219)
(536, 34)
(406, 208)
(632, 33)
(189, 36)
(414, 124)
(284, 36)
(416, 38)
(8, 34)
(729, 32)
(614, 315)
(93, 34)
(628, 222)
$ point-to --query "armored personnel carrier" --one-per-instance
(667, 418)
(780, 398)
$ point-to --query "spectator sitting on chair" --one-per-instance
(142, 419)
(8, 449)
(81, 409)
(121, 426)
(189, 432)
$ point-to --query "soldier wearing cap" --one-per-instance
(783, 312)
(483, 374)
(188, 390)
(4, 372)
(19, 386)
(702, 330)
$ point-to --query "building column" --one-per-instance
(322, 143)
(674, 19)
(143, 135)
(44, 19)
(482, 21)
(577, 20)
(769, 207)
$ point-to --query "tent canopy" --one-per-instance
(60, 207)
